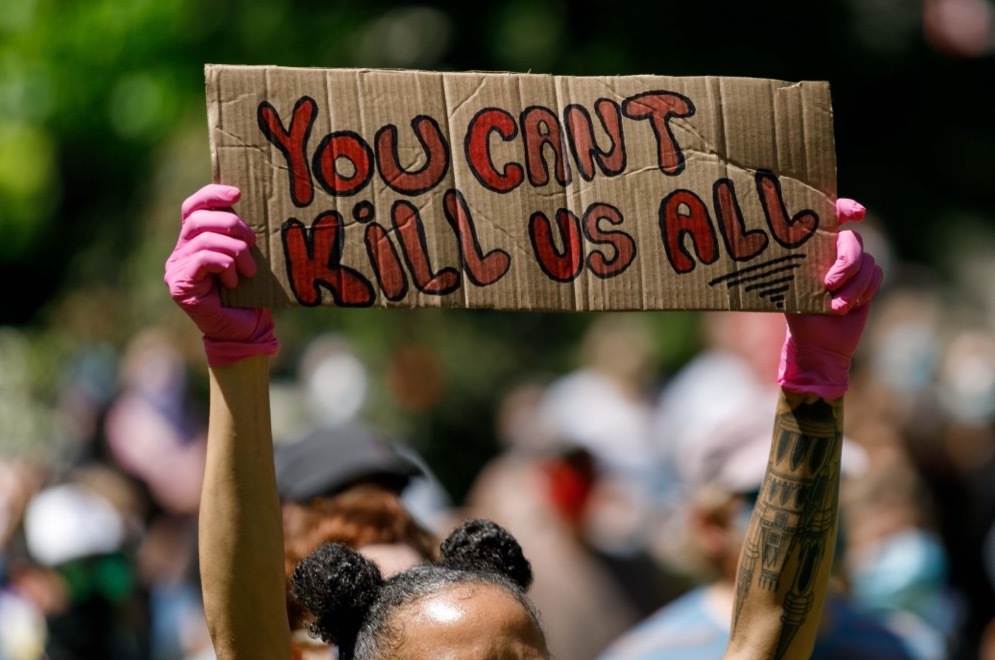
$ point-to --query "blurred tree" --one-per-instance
(102, 133)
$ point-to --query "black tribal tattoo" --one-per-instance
(791, 537)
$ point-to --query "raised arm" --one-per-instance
(786, 558)
(240, 537)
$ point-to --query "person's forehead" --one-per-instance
(468, 622)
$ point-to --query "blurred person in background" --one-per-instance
(705, 413)
(156, 436)
(151, 430)
(366, 518)
(575, 486)
(895, 565)
(539, 489)
(924, 397)
(339, 481)
(777, 608)
(729, 375)
(322, 446)
(721, 472)
(166, 566)
(602, 410)
(962, 481)
(345, 484)
(130, 421)
(81, 533)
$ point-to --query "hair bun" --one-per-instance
(337, 585)
(482, 545)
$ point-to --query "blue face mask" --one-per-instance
(907, 571)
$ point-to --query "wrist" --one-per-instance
(222, 353)
(261, 340)
(813, 369)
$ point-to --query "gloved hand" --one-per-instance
(214, 247)
(815, 358)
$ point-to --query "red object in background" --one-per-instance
(571, 479)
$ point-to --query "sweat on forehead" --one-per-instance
(467, 620)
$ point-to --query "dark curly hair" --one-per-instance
(351, 604)
(359, 516)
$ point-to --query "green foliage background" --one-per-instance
(103, 133)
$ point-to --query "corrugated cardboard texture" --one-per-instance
(522, 191)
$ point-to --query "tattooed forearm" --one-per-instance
(785, 561)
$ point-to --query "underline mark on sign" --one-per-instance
(770, 279)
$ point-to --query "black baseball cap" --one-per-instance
(329, 460)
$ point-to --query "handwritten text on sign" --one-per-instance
(530, 192)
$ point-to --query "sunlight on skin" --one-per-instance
(478, 621)
(443, 612)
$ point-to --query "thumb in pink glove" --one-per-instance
(214, 246)
(817, 351)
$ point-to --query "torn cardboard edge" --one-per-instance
(388, 188)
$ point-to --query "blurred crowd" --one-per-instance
(628, 484)
(629, 489)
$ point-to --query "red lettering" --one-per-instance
(660, 108)
(541, 127)
(562, 266)
(478, 150)
(292, 143)
(743, 245)
(585, 149)
(313, 263)
(789, 231)
(348, 146)
(625, 246)
(386, 263)
(436, 165)
(480, 268)
(414, 247)
(676, 223)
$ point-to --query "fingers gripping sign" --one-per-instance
(817, 351)
(214, 246)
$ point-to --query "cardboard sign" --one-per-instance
(520, 191)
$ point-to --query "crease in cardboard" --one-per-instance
(454, 170)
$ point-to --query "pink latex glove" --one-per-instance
(815, 358)
(214, 247)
